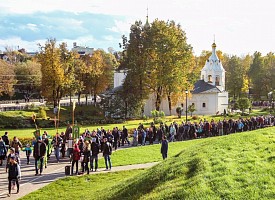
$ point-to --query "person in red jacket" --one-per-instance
(75, 158)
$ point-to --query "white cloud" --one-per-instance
(240, 26)
(121, 26)
(12, 41)
(32, 27)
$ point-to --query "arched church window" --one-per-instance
(203, 105)
(209, 78)
(217, 81)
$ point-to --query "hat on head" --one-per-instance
(12, 157)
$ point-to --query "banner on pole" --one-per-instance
(76, 132)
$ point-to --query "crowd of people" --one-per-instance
(85, 149)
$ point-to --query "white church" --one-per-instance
(208, 95)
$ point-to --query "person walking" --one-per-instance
(94, 154)
(124, 136)
(164, 147)
(63, 144)
(75, 159)
(70, 145)
(39, 153)
(115, 133)
(86, 157)
(135, 137)
(3, 151)
(14, 174)
(17, 145)
(107, 151)
(28, 151)
(6, 140)
(56, 142)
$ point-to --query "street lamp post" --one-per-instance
(186, 93)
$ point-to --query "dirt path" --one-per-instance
(54, 171)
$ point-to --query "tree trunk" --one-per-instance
(70, 98)
(169, 104)
(54, 99)
(158, 99)
(78, 98)
(86, 99)
(95, 99)
(126, 110)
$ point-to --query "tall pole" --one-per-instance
(186, 92)
(73, 113)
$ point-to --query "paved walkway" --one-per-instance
(30, 183)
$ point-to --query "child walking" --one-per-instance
(28, 151)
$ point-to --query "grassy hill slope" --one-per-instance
(238, 166)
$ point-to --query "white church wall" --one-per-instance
(164, 106)
(223, 102)
(119, 78)
(205, 103)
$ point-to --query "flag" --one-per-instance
(73, 105)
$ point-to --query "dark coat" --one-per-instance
(95, 148)
(39, 149)
(14, 171)
(6, 140)
(107, 149)
(164, 147)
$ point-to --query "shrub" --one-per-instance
(195, 117)
(42, 113)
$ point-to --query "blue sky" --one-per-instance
(239, 26)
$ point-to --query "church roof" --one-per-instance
(213, 62)
(202, 87)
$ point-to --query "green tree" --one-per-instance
(28, 76)
(235, 76)
(257, 75)
(172, 65)
(244, 103)
(135, 60)
(158, 60)
(191, 109)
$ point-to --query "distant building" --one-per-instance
(82, 50)
(208, 96)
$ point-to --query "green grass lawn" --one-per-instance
(84, 187)
(145, 154)
(237, 166)
(130, 124)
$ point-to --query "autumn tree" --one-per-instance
(7, 78)
(105, 64)
(52, 71)
(172, 62)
